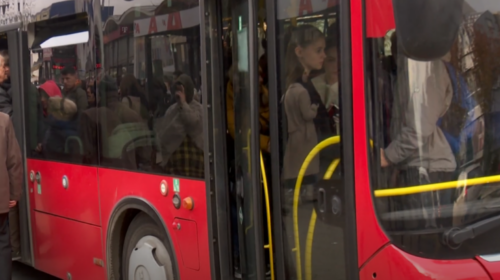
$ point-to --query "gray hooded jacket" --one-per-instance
(422, 95)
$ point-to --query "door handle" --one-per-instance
(38, 179)
(321, 200)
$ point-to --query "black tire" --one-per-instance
(143, 226)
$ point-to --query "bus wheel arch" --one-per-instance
(124, 213)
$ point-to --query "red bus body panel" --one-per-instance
(493, 268)
(63, 246)
(116, 185)
(392, 263)
(370, 236)
(68, 237)
(80, 201)
(379, 18)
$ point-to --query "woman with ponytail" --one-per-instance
(308, 121)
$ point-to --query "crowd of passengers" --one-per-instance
(159, 132)
(414, 151)
(161, 128)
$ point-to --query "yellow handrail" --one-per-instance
(377, 193)
(437, 186)
(268, 215)
(309, 244)
(328, 142)
(268, 207)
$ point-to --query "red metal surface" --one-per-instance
(392, 263)
(493, 268)
(62, 246)
(79, 202)
(186, 235)
(370, 236)
(379, 18)
(116, 185)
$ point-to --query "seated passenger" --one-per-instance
(47, 90)
(180, 133)
(133, 96)
(117, 124)
(61, 124)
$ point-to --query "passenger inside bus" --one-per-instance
(91, 96)
(327, 84)
(419, 150)
(308, 120)
(440, 129)
(132, 95)
(47, 90)
(180, 132)
(264, 147)
(72, 90)
(62, 128)
(161, 96)
(112, 118)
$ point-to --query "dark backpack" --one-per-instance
(461, 120)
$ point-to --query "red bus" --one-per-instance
(138, 121)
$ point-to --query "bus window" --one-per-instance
(434, 125)
(150, 103)
(55, 105)
(308, 62)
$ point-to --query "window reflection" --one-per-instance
(436, 123)
(150, 114)
(129, 98)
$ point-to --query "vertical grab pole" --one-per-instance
(268, 216)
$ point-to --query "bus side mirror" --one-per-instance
(427, 29)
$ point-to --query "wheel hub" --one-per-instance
(147, 260)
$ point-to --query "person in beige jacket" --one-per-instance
(305, 53)
(11, 179)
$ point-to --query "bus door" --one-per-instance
(61, 157)
(288, 100)
(10, 39)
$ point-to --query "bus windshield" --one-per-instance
(435, 162)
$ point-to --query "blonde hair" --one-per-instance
(62, 108)
(302, 36)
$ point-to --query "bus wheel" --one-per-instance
(145, 254)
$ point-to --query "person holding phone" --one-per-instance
(180, 132)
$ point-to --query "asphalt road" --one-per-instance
(24, 272)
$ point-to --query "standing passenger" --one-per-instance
(419, 149)
(307, 118)
(180, 133)
(5, 88)
(11, 178)
(72, 90)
